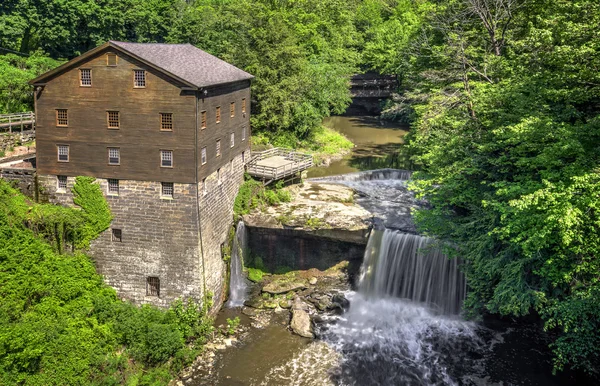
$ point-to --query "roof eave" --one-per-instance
(40, 80)
(227, 83)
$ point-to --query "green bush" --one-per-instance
(61, 325)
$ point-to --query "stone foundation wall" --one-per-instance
(21, 178)
(159, 238)
(216, 219)
(163, 237)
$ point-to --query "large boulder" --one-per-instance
(277, 287)
(300, 323)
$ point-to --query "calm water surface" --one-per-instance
(378, 145)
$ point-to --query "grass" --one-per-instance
(322, 143)
(255, 275)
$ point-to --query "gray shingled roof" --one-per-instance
(186, 62)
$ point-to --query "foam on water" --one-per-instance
(389, 341)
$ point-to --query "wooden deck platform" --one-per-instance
(276, 164)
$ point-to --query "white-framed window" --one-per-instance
(166, 189)
(232, 110)
(232, 139)
(219, 176)
(244, 105)
(63, 153)
(166, 158)
(113, 187)
(218, 114)
(218, 148)
(231, 165)
(139, 78)
(204, 187)
(243, 133)
(244, 157)
(85, 77)
(114, 156)
(61, 183)
(203, 156)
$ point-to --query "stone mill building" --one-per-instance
(164, 128)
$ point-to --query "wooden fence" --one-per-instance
(18, 121)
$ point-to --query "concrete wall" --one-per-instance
(301, 249)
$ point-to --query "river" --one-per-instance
(378, 145)
(388, 337)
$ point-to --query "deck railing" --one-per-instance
(8, 122)
(300, 162)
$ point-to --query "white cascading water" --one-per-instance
(238, 287)
(402, 327)
(412, 267)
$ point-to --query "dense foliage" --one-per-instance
(301, 52)
(253, 194)
(505, 98)
(61, 325)
(16, 95)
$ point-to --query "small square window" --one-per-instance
(111, 59)
(85, 77)
(218, 119)
(139, 78)
(114, 156)
(203, 156)
(218, 148)
(204, 187)
(243, 133)
(244, 105)
(166, 121)
(113, 119)
(62, 117)
(117, 235)
(152, 286)
(232, 109)
(231, 139)
(61, 183)
(113, 187)
(203, 120)
(166, 158)
(63, 153)
(166, 189)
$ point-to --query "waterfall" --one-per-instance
(238, 287)
(411, 267)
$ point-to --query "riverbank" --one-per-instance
(324, 144)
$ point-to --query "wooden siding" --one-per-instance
(222, 96)
(139, 136)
